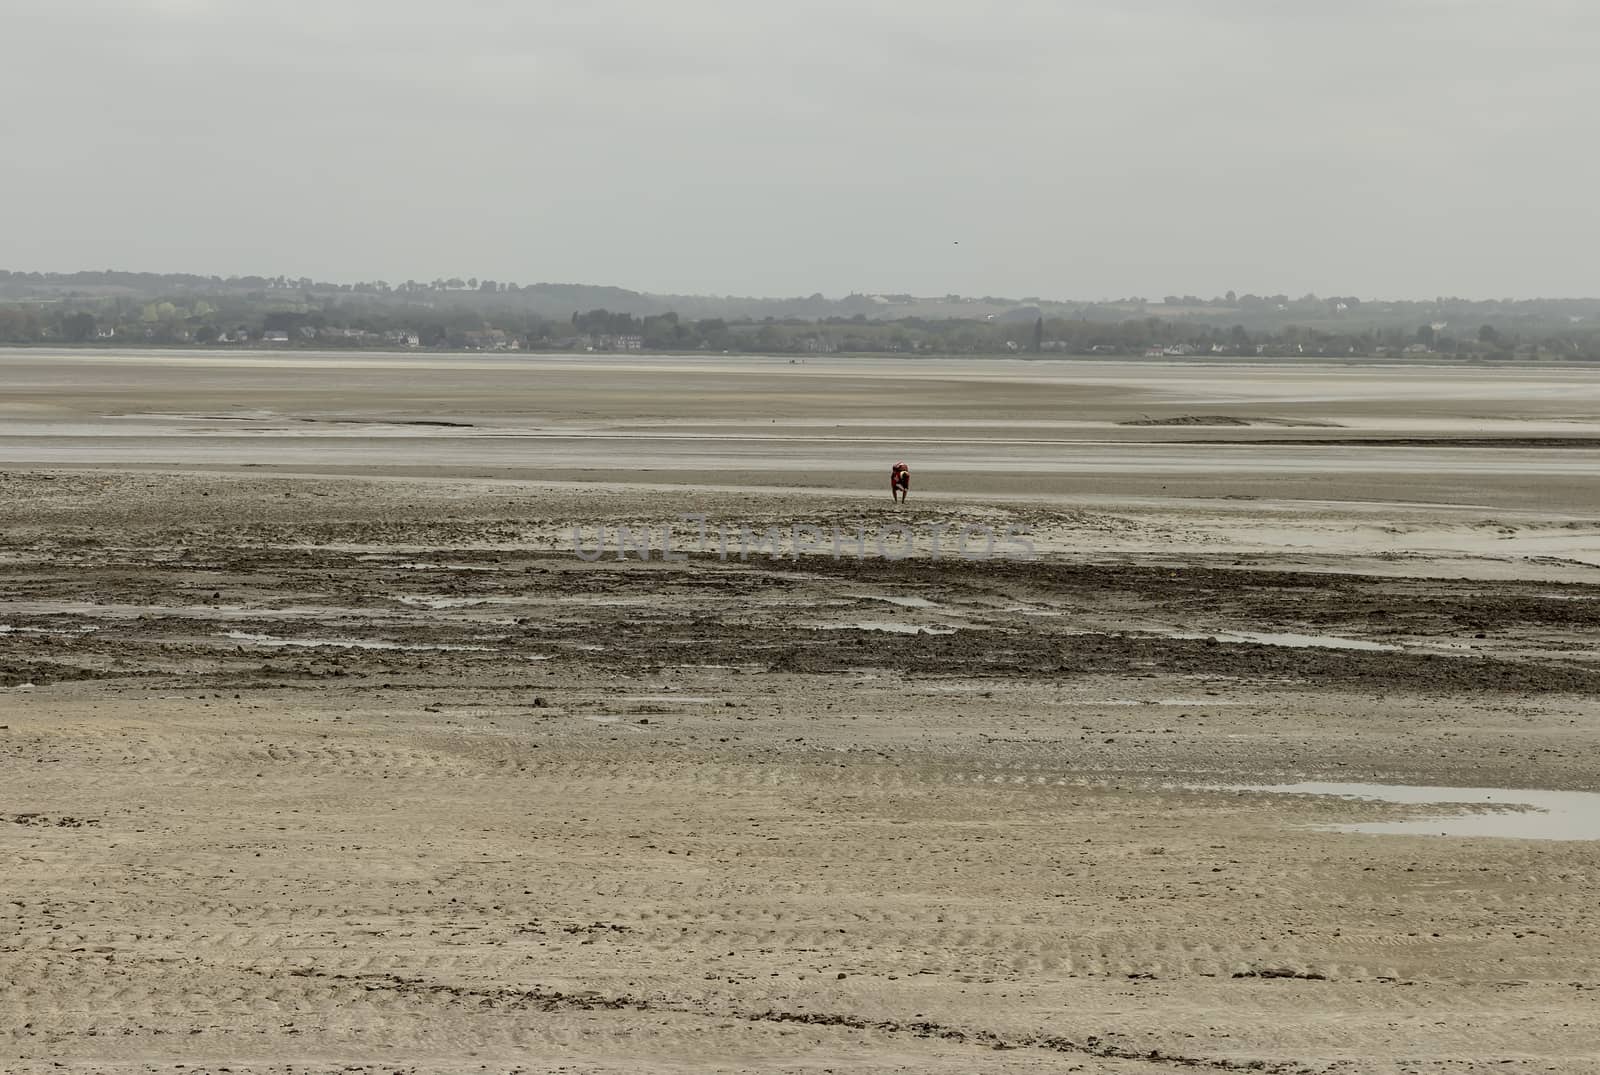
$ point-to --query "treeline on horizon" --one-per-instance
(472, 314)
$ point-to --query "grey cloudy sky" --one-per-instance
(1074, 148)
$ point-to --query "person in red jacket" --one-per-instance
(900, 482)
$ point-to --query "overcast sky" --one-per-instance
(1060, 148)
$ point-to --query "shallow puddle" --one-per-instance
(208, 612)
(1197, 703)
(471, 607)
(1511, 813)
(903, 602)
(347, 643)
(440, 603)
(616, 722)
(606, 602)
(1028, 610)
(886, 625)
(1282, 638)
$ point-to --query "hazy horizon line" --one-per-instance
(1148, 299)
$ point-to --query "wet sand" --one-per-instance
(336, 757)
(1057, 428)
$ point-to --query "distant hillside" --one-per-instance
(559, 301)
(183, 308)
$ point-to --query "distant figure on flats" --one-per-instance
(900, 482)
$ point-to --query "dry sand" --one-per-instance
(321, 751)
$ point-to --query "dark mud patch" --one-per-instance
(542, 999)
(389, 422)
(1268, 599)
(1413, 442)
(1187, 420)
(41, 673)
(976, 653)
(1046, 577)
(43, 821)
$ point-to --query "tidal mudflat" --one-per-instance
(322, 749)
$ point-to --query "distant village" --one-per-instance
(143, 309)
(853, 337)
(405, 339)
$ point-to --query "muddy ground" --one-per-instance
(346, 774)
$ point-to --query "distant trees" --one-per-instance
(177, 309)
(18, 325)
(354, 319)
(664, 332)
(606, 323)
(76, 328)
